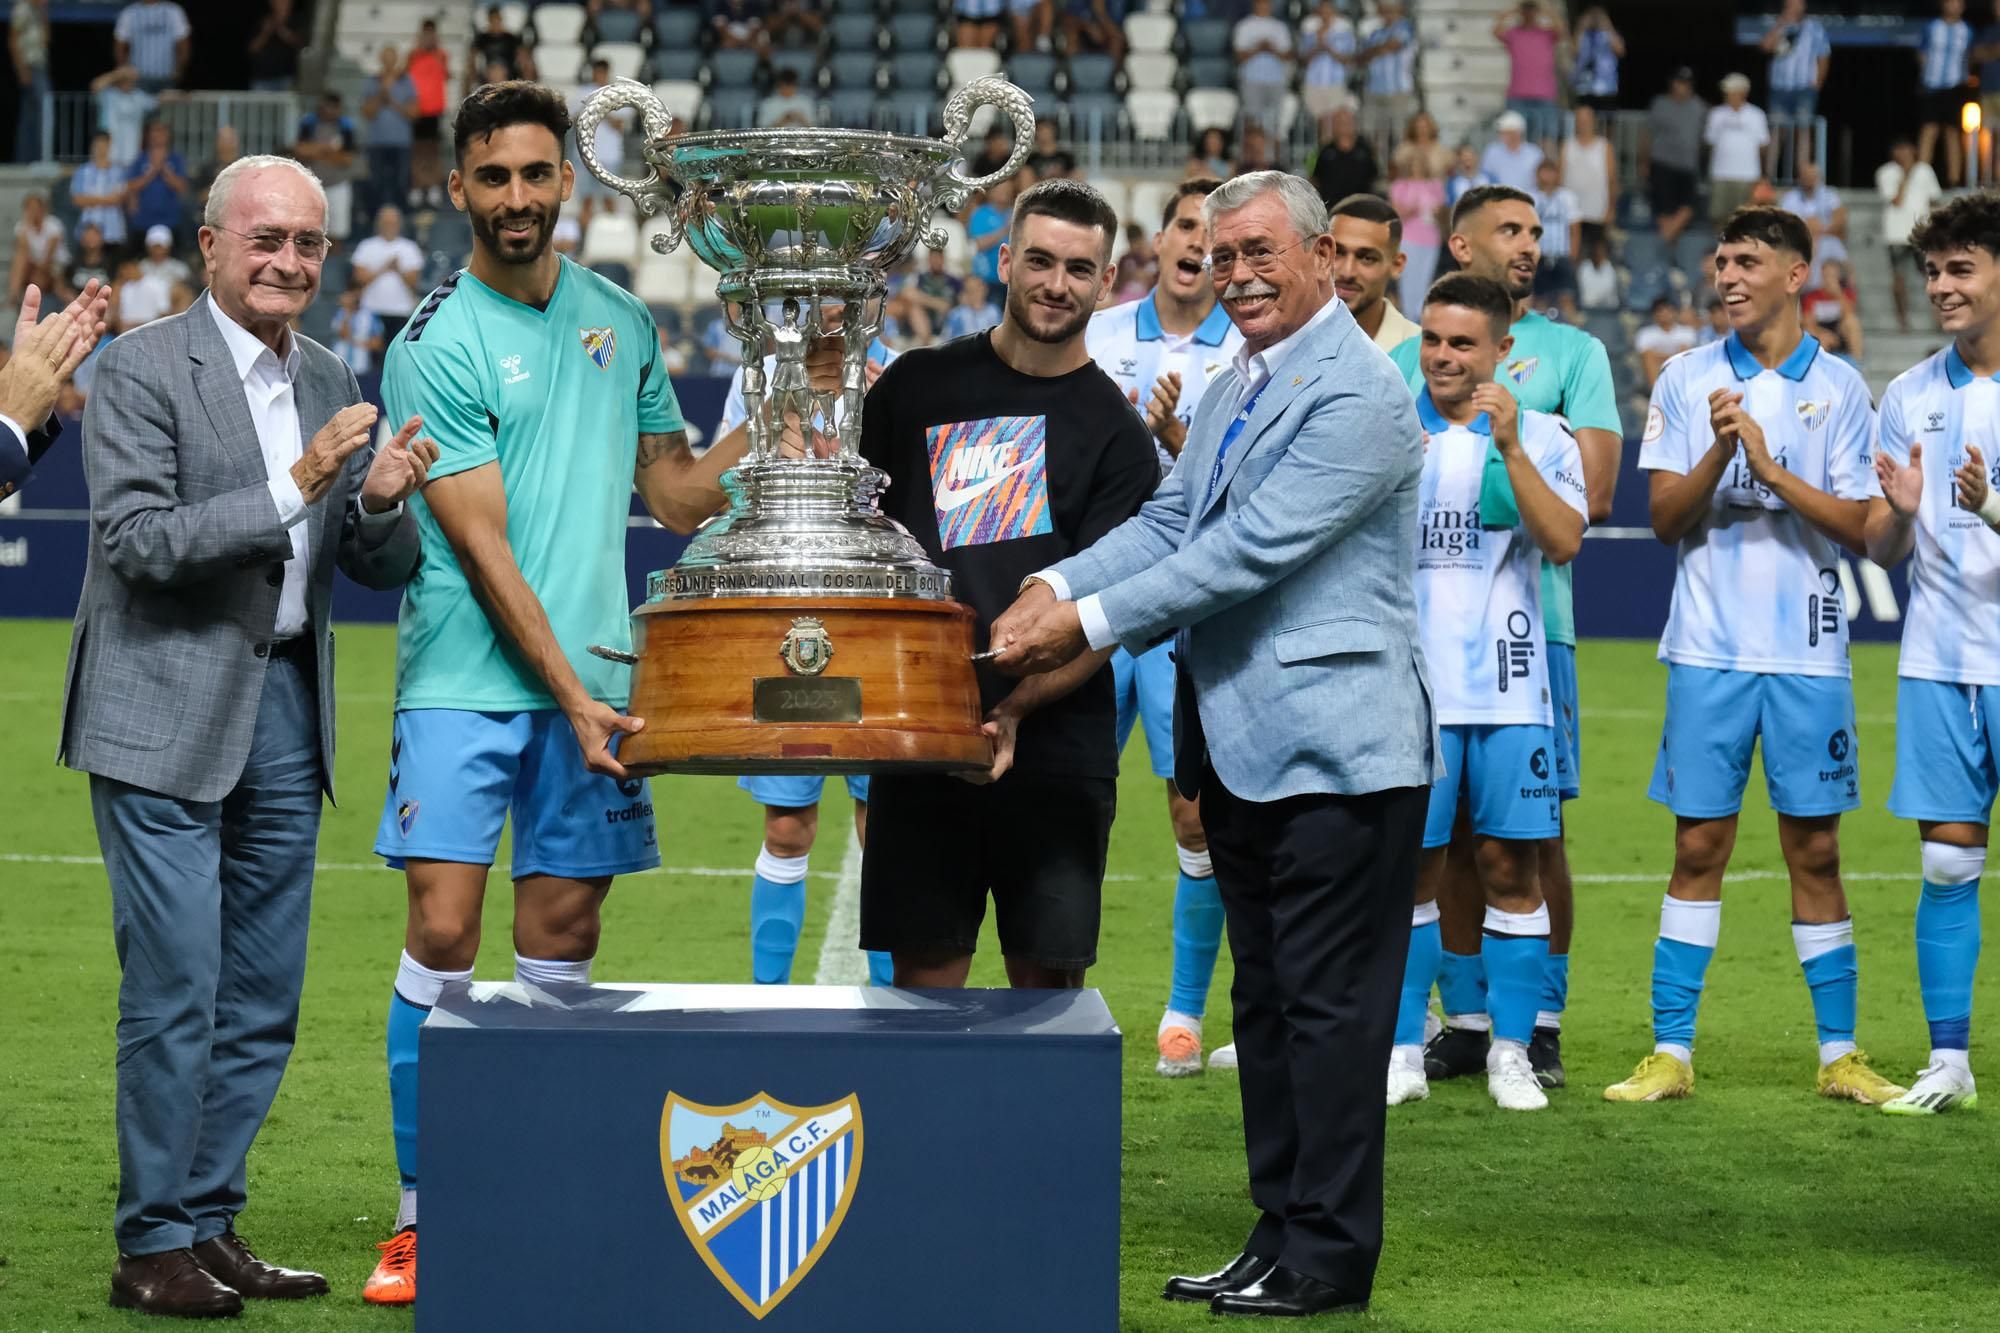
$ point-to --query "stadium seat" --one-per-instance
(910, 112)
(610, 237)
(913, 70)
(682, 97)
(852, 70)
(1149, 34)
(677, 63)
(1211, 72)
(957, 245)
(1093, 114)
(1149, 201)
(1151, 71)
(1033, 72)
(732, 69)
(969, 63)
(1116, 195)
(626, 58)
(559, 23)
(513, 13)
(1211, 109)
(1207, 37)
(661, 281)
(1690, 248)
(852, 108)
(615, 272)
(1091, 72)
(1153, 112)
(617, 25)
(732, 108)
(336, 272)
(676, 26)
(913, 32)
(855, 32)
(854, 7)
(450, 233)
(559, 62)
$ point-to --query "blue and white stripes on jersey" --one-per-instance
(1128, 344)
(1596, 73)
(1392, 72)
(1945, 48)
(735, 412)
(1796, 63)
(1556, 210)
(1479, 590)
(152, 32)
(1756, 587)
(1951, 632)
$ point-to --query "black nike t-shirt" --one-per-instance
(998, 475)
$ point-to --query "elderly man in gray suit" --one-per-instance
(1283, 552)
(230, 472)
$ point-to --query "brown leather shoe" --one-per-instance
(230, 1260)
(171, 1283)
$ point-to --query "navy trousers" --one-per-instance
(209, 906)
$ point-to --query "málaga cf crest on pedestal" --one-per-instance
(760, 1187)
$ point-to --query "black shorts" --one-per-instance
(1900, 255)
(1555, 276)
(1943, 106)
(937, 846)
(1673, 190)
(427, 129)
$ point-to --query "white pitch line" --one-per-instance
(841, 961)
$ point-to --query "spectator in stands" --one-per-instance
(1210, 158)
(618, 20)
(1986, 55)
(1590, 170)
(40, 250)
(1531, 35)
(387, 269)
(1327, 49)
(1599, 48)
(1263, 46)
(357, 335)
(932, 295)
(738, 25)
(1095, 25)
(1908, 188)
(97, 188)
(1420, 153)
(1941, 70)
(137, 299)
(161, 262)
(1138, 268)
(122, 108)
(1562, 236)
(1663, 338)
(156, 185)
(987, 229)
(1391, 87)
(1511, 159)
(1050, 158)
(1598, 288)
(1670, 154)
(723, 351)
(429, 69)
(1033, 23)
(785, 105)
(274, 50)
(1345, 163)
(91, 260)
(795, 23)
(1255, 153)
(28, 46)
(1737, 135)
(227, 150)
(1466, 173)
(975, 310)
(328, 144)
(978, 23)
(993, 154)
(1831, 313)
(1824, 213)
(496, 43)
(1800, 55)
(608, 142)
(1418, 199)
(152, 37)
(387, 115)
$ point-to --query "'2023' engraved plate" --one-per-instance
(815, 699)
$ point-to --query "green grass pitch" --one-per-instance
(1754, 1206)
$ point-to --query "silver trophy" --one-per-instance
(803, 225)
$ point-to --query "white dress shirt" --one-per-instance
(1253, 371)
(269, 388)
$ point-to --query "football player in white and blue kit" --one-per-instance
(1479, 607)
(791, 801)
(1162, 350)
(1939, 425)
(1759, 448)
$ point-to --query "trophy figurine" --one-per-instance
(803, 631)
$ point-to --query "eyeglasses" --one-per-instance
(309, 246)
(1260, 259)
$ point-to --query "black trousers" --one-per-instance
(1316, 891)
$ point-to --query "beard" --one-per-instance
(1021, 310)
(487, 229)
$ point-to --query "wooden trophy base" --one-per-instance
(763, 685)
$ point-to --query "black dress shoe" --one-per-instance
(230, 1260)
(1238, 1272)
(1286, 1294)
(171, 1283)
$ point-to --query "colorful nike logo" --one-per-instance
(951, 497)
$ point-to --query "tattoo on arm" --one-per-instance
(653, 448)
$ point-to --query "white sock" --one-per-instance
(781, 869)
(420, 985)
(1410, 1057)
(1173, 1018)
(1501, 1047)
(1471, 1022)
(406, 1211)
(1195, 865)
(1959, 1060)
(1829, 1051)
(1679, 1052)
(552, 971)
(1548, 1020)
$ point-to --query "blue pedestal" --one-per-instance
(734, 1157)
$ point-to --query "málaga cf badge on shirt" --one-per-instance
(600, 344)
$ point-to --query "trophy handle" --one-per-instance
(1012, 103)
(614, 655)
(656, 119)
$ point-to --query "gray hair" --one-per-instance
(1303, 206)
(226, 179)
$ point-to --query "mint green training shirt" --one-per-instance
(558, 397)
(1563, 371)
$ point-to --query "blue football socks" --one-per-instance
(1197, 933)
(1515, 946)
(1948, 941)
(1420, 971)
(777, 915)
(1688, 935)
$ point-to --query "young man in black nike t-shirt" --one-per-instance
(1007, 451)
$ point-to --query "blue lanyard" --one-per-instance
(1229, 437)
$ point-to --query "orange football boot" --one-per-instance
(394, 1281)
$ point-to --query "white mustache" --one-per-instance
(1238, 291)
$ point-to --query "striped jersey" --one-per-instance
(1127, 342)
(152, 30)
(1944, 51)
(1556, 209)
(1795, 64)
(1952, 630)
(1392, 72)
(1756, 587)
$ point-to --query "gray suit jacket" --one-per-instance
(1295, 582)
(180, 595)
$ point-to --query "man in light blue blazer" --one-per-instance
(1282, 552)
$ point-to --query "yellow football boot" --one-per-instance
(1850, 1079)
(1658, 1077)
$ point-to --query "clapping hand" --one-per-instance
(48, 351)
(1970, 478)
(399, 469)
(1903, 484)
